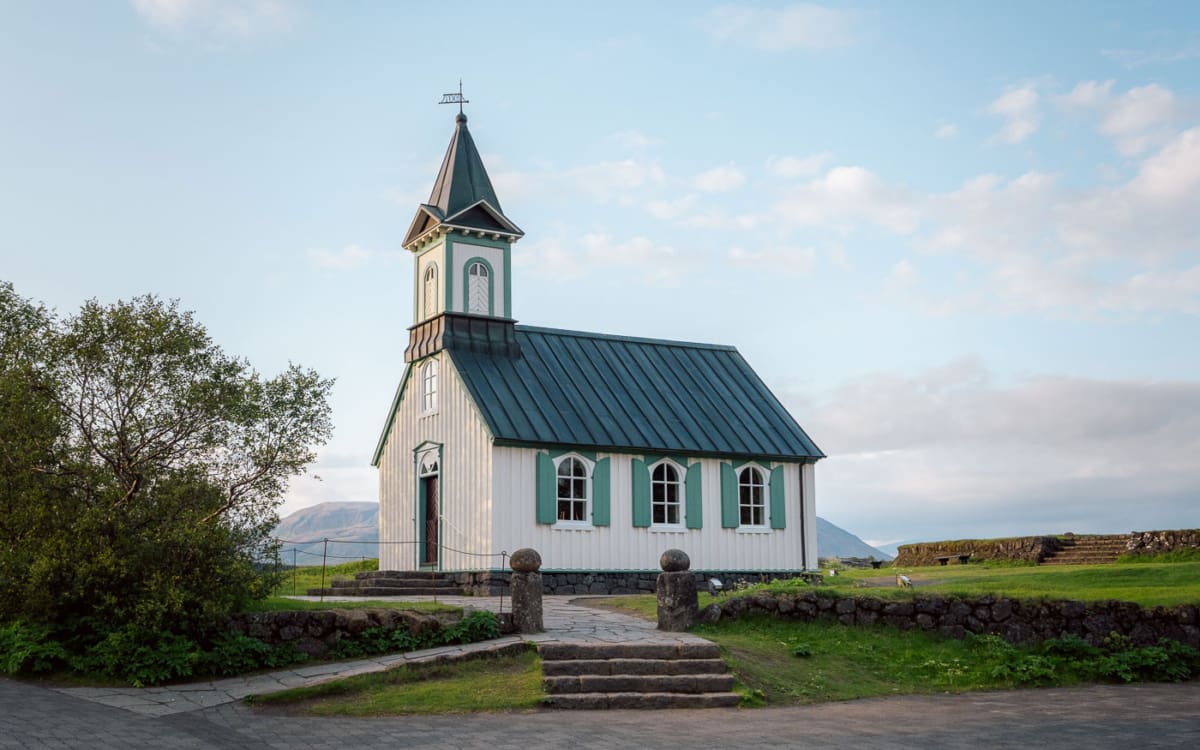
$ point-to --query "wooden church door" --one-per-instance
(428, 515)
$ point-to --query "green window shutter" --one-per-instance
(600, 493)
(778, 505)
(694, 507)
(547, 496)
(729, 498)
(641, 494)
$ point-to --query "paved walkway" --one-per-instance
(210, 715)
(565, 622)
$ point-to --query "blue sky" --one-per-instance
(958, 240)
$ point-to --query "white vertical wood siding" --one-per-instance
(620, 546)
(809, 476)
(465, 492)
(436, 255)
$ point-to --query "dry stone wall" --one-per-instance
(1151, 542)
(1015, 620)
(314, 632)
(1026, 548)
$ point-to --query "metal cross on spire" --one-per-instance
(455, 98)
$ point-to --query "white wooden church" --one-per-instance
(598, 451)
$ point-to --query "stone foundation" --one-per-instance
(560, 582)
(1015, 620)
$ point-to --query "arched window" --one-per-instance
(573, 491)
(429, 387)
(665, 495)
(429, 291)
(752, 497)
(479, 289)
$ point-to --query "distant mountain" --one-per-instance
(833, 541)
(306, 529)
(350, 522)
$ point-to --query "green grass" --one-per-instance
(283, 604)
(845, 663)
(1144, 583)
(503, 683)
(297, 581)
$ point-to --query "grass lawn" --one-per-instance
(1147, 584)
(297, 581)
(504, 683)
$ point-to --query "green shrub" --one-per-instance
(140, 657)
(234, 654)
(480, 625)
(29, 649)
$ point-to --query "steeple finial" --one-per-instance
(456, 98)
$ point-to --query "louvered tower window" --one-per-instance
(479, 282)
(430, 291)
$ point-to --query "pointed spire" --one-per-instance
(462, 180)
(462, 196)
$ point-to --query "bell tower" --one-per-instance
(461, 243)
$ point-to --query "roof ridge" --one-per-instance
(619, 337)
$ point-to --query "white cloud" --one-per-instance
(799, 26)
(659, 265)
(776, 259)
(1136, 120)
(1019, 106)
(604, 182)
(669, 210)
(238, 19)
(633, 140)
(349, 258)
(798, 166)
(946, 130)
(949, 453)
(719, 179)
(844, 196)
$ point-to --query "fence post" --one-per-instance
(324, 554)
(293, 570)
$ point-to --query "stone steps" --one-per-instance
(635, 675)
(1090, 550)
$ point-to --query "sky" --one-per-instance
(959, 241)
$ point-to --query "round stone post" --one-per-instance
(526, 590)
(678, 605)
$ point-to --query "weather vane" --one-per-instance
(455, 98)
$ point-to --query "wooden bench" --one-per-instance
(962, 559)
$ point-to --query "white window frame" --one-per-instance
(680, 490)
(588, 467)
(761, 506)
(427, 378)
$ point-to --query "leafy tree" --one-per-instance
(146, 468)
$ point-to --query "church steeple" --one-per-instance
(461, 240)
(462, 196)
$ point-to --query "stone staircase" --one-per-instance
(635, 675)
(391, 583)
(1088, 550)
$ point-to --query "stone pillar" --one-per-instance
(526, 590)
(678, 605)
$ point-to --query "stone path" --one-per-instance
(565, 622)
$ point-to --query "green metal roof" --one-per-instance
(568, 388)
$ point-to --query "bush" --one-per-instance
(140, 657)
(29, 649)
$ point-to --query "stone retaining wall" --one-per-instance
(316, 631)
(1027, 548)
(610, 582)
(1016, 620)
(1151, 542)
